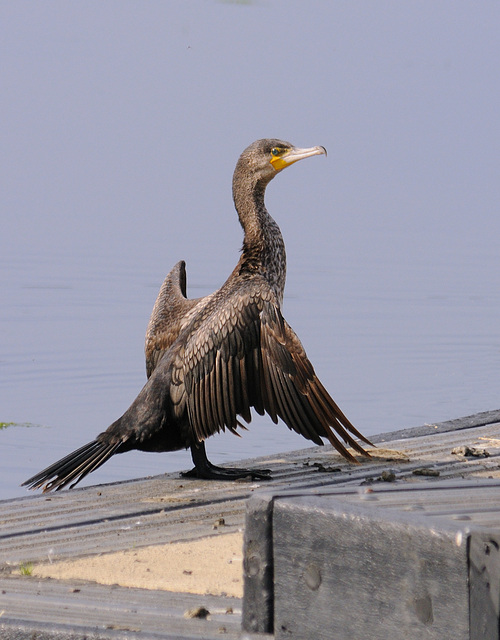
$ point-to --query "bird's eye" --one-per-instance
(275, 151)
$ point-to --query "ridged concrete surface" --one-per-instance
(169, 508)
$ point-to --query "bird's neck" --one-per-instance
(263, 249)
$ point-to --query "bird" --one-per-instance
(211, 360)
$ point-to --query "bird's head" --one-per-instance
(267, 157)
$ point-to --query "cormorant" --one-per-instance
(210, 360)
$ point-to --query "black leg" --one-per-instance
(205, 470)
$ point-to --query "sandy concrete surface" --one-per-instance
(209, 565)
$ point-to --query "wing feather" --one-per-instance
(219, 384)
(169, 312)
(226, 384)
(208, 405)
(231, 410)
(255, 389)
(282, 408)
(244, 409)
(309, 426)
(241, 354)
(267, 383)
(236, 386)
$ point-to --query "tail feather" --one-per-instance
(73, 467)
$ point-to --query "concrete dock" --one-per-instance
(41, 532)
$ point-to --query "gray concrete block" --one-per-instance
(401, 562)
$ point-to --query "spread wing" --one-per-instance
(169, 313)
(243, 354)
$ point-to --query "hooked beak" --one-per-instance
(295, 154)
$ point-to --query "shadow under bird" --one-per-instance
(210, 360)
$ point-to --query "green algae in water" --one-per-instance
(4, 425)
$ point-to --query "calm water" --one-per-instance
(121, 124)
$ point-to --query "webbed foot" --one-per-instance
(205, 470)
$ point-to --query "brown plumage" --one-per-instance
(211, 360)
